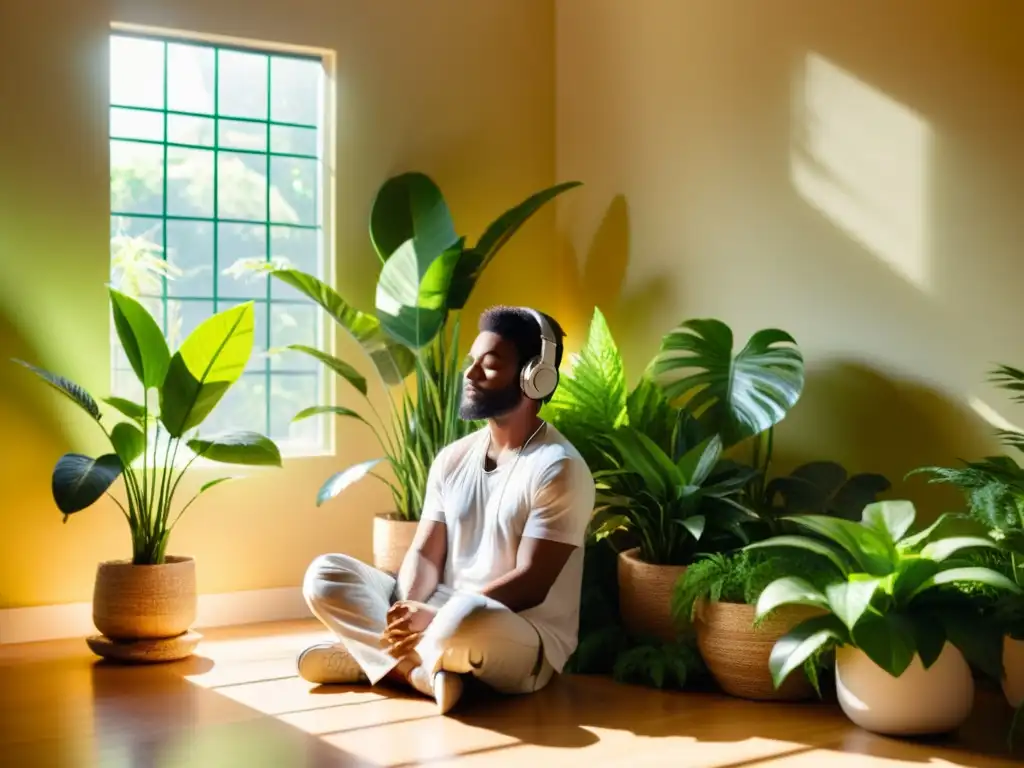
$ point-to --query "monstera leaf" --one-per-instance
(411, 207)
(738, 395)
(824, 488)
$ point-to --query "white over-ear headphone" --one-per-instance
(539, 376)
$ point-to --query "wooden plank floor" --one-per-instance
(239, 703)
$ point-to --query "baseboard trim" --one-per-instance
(71, 620)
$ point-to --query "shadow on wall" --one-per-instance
(870, 421)
(600, 280)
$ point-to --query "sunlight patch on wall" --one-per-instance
(991, 415)
(861, 159)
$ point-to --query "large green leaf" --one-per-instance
(78, 481)
(320, 410)
(68, 388)
(501, 229)
(339, 481)
(945, 548)
(890, 518)
(128, 442)
(412, 292)
(868, 548)
(141, 338)
(929, 638)
(640, 455)
(737, 396)
(696, 464)
(971, 575)
(888, 640)
(789, 590)
(796, 646)
(980, 641)
(340, 367)
(850, 599)
(133, 411)
(248, 448)
(410, 206)
(210, 360)
(392, 360)
(811, 545)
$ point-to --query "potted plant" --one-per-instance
(144, 606)
(427, 275)
(717, 594)
(901, 628)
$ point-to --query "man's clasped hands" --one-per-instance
(407, 620)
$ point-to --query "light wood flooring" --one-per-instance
(240, 703)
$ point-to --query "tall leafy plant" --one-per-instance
(428, 273)
(179, 392)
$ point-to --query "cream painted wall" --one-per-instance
(850, 172)
(461, 90)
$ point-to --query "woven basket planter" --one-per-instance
(392, 537)
(137, 602)
(645, 596)
(1013, 671)
(737, 654)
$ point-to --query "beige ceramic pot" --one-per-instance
(737, 654)
(1013, 671)
(918, 702)
(392, 537)
(135, 602)
(645, 595)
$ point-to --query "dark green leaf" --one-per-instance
(133, 411)
(340, 367)
(800, 643)
(412, 292)
(68, 388)
(319, 410)
(501, 229)
(696, 464)
(850, 599)
(128, 442)
(342, 480)
(888, 640)
(410, 206)
(911, 573)
(694, 524)
(737, 397)
(640, 455)
(467, 272)
(141, 338)
(789, 590)
(890, 518)
(210, 360)
(248, 448)
(930, 638)
(811, 545)
(78, 481)
(979, 641)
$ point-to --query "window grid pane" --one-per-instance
(194, 192)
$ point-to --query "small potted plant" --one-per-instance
(145, 606)
(427, 275)
(902, 629)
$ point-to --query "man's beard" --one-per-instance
(489, 405)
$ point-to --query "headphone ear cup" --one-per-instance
(526, 378)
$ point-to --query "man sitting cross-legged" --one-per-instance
(491, 584)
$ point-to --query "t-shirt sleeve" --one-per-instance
(563, 503)
(433, 497)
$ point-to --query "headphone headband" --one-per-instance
(548, 343)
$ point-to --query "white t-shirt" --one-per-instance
(547, 493)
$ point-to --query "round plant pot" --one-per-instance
(918, 702)
(137, 602)
(645, 596)
(1013, 671)
(392, 537)
(737, 654)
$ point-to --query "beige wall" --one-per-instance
(850, 172)
(461, 90)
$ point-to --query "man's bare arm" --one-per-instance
(538, 563)
(423, 565)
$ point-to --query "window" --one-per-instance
(216, 167)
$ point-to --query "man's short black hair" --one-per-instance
(518, 326)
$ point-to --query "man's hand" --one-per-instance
(407, 620)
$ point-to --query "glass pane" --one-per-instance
(240, 246)
(294, 324)
(293, 196)
(294, 141)
(136, 177)
(190, 251)
(183, 317)
(136, 72)
(189, 182)
(243, 407)
(295, 88)
(235, 134)
(243, 84)
(136, 124)
(185, 129)
(290, 394)
(190, 78)
(294, 248)
(137, 266)
(125, 383)
(242, 186)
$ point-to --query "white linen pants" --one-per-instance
(471, 634)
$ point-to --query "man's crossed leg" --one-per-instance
(470, 634)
